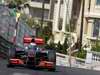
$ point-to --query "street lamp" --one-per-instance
(42, 15)
(82, 21)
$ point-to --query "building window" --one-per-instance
(61, 1)
(96, 29)
(97, 2)
(38, 13)
(60, 24)
(47, 1)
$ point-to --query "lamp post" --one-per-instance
(42, 16)
(82, 21)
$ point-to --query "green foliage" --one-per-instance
(30, 21)
(81, 54)
(59, 47)
(23, 17)
(47, 32)
(96, 46)
(65, 46)
(17, 2)
(50, 46)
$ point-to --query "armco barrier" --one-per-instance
(62, 60)
(4, 47)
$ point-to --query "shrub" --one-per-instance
(50, 46)
(65, 46)
(59, 47)
(62, 48)
(96, 47)
(81, 54)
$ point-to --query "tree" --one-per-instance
(50, 46)
(47, 32)
(16, 2)
(96, 46)
(81, 54)
(65, 46)
(59, 47)
(31, 22)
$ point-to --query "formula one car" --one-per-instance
(35, 55)
(40, 58)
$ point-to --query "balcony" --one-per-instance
(92, 15)
(46, 1)
(39, 5)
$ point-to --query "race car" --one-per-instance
(17, 57)
(35, 56)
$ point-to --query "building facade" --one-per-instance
(35, 8)
(92, 19)
(62, 18)
(56, 11)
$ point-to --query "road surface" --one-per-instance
(60, 71)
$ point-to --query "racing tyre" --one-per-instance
(53, 69)
(9, 65)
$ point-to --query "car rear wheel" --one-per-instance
(53, 69)
(10, 65)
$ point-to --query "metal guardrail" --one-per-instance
(94, 65)
(4, 47)
(63, 59)
(95, 56)
(64, 56)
